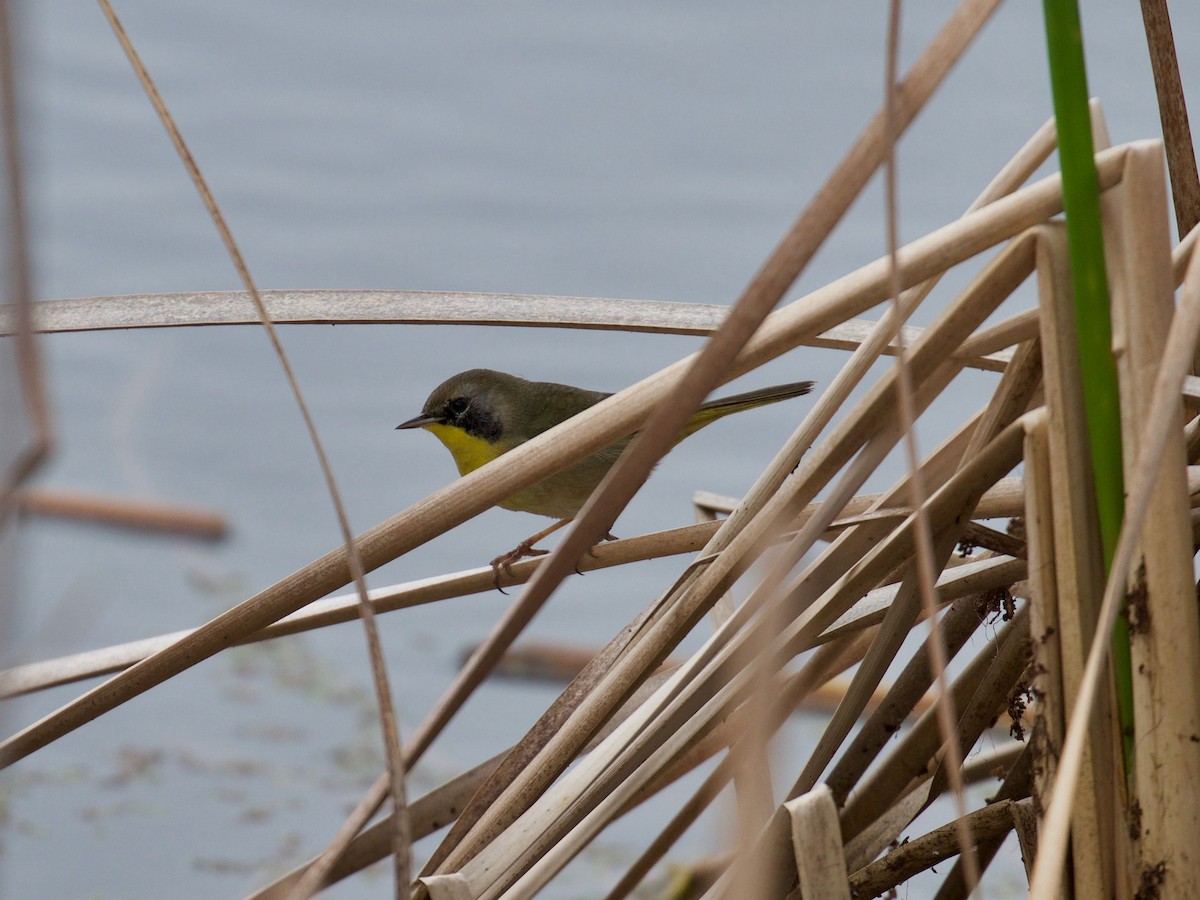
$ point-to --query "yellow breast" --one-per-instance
(469, 452)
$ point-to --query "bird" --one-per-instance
(481, 414)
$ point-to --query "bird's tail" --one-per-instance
(724, 406)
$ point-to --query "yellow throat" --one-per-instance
(469, 452)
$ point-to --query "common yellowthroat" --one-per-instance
(480, 414)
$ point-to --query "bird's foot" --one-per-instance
(505, 560)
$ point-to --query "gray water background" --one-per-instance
(651, 151)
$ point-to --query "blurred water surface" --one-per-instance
(625, 150)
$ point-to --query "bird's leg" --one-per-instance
(608, 536)
(523, 549)
(526, 548)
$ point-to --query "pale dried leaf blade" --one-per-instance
(817, 842)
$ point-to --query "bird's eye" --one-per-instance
(458, 405)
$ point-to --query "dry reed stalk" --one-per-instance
(521, 849)
(1077, 555)
(898, 620)
(1046, 735)
(18, 287)
(999, 278)
(124, 513)
(759, 717)
(748, 756)
(928, 549)
(863, 848)
(1020, 384)
(985, 292)
(849, 547)
(1008, 659)
(1164, 625)
(795, 688)
(1176, 362)
(824, 664)
(1181, 255)
(972, 579)
(757, 723)
(928, 850)
(635, 766)
(1012, 397)
(317, 307)
(1017, 329)
(956, 494)
(1002, 501)
(1006, 181)
(1172, 111)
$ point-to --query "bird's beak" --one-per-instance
(419, 422)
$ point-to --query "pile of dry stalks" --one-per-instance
(848, 579)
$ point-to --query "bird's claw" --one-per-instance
(521, 551)
(505, 561)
